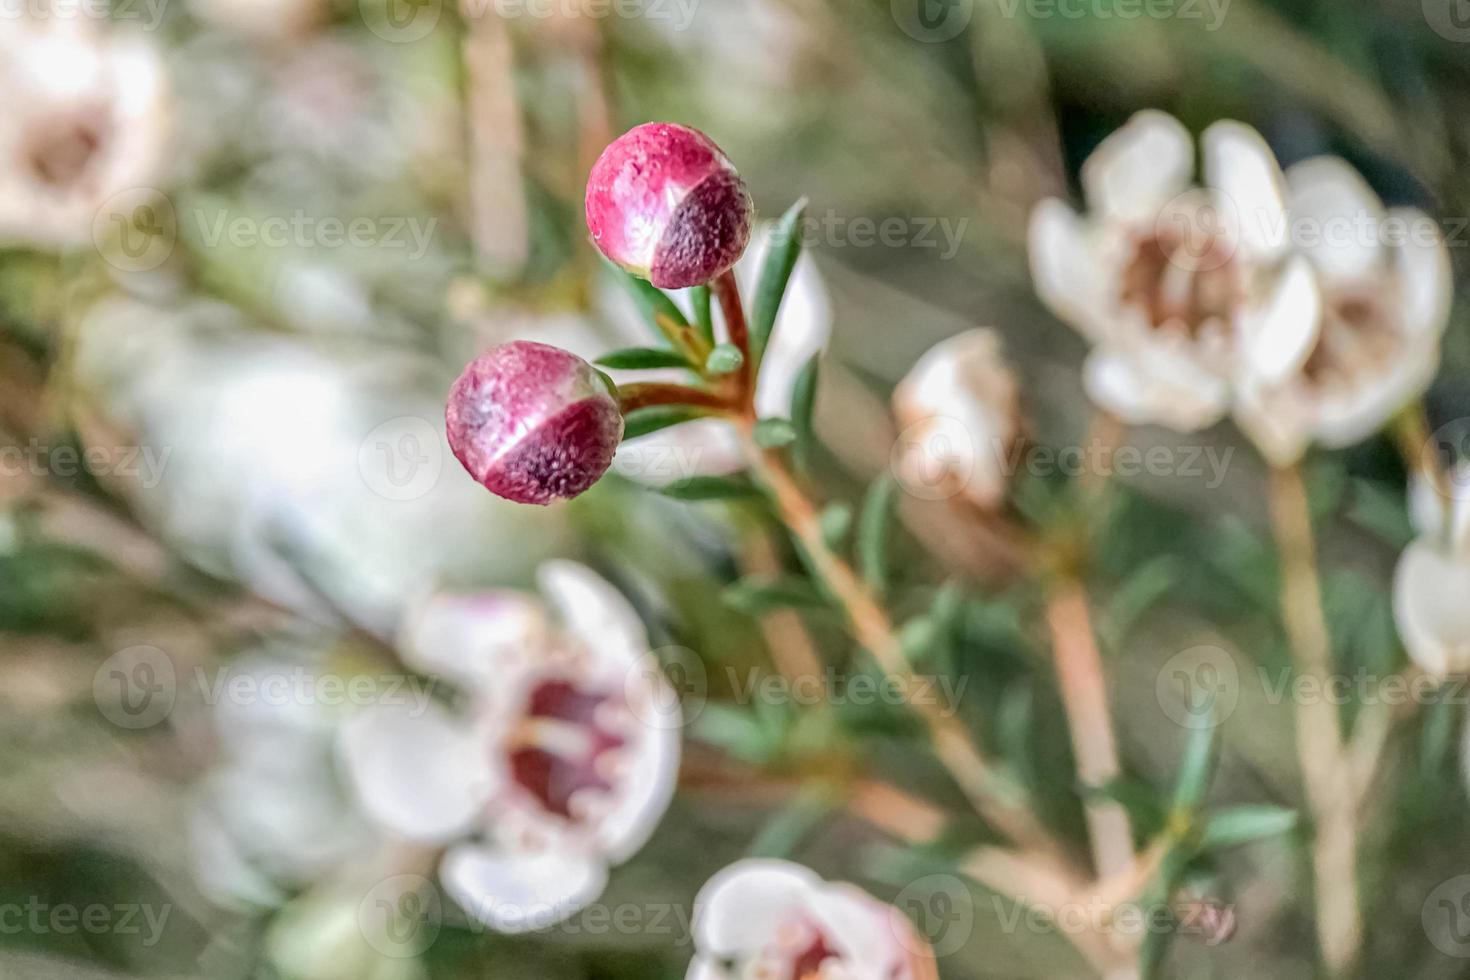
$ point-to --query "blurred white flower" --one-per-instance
(960, 407)
(272, 816)
(765, 918)
(87, 117)
(1385, 297)
(1172, 283)
(318, 480)
(711, 447)
(1432, 582)
(561, 769)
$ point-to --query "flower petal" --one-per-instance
(650, 766)
(594, 611)
(743, 906)
(1422, 270)
(1278, 420)
(803, 325)
(516, 892)
(1066, 268)
(1278, 335)
(1350, 416)
(421, 776)
(468, 637)
(1243, 172)
(861, 926)
(1335, 219)
(1429, 590)
(1139, 168)
(1151, 387)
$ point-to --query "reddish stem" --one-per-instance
(727, 290)
(646, 394)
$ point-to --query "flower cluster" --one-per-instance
(1235, 296)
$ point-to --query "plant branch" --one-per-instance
(1320, 748)
(646, 394)
(1085, 698)
(727, 291)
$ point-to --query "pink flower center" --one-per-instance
(808, 963)
(60, 155)
(563, 747)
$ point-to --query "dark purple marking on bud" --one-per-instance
(665, 203)
(533, 423)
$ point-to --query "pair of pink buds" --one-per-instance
(534, 423)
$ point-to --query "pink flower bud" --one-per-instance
(533, 423)
(664, 203)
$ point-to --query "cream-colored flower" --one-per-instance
(765, 918)
(1432, 582)
(1171, 282)
(86, 118)
(1385, 284)
(960, 409)
(561, 769)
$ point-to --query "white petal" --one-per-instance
(704, 447)
(594, 611)
(1243, 172)
(861, 926)
(518, 891)
(1422, 269)
(803, 324)
(1429, 604)
(741, 908)
(1153, 388)
(1335, 219)
(421, 776)
(1139, 168)
(1067, 268)
(650, 771)
(703, 968)
(1278, 335)
(1349, 417)
(469, 637)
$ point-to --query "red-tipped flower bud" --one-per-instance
(533, 423)
(664, 203)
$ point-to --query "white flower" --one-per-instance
(1173, 283)
(86, 118)
(1385, 285)
(711, 447)
(1432, 582)
(562, 768)
(961, 412)
(272, 815)
(764, 918)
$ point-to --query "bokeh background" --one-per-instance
(222, 370)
